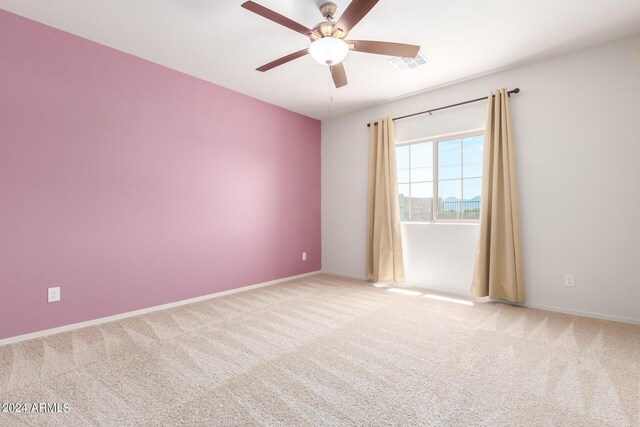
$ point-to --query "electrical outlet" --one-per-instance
(53, 294)
(304, 256)
(569, 280)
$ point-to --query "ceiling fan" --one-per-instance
(329, 39)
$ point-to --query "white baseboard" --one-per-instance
(583, 313)
(534, 306)
(469, 297)
(107, 319)
(348, 276)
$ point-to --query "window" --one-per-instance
(440, 179)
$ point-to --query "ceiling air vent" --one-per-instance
(406, 64)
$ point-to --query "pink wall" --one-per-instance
(131, 185)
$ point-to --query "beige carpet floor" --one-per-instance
(330, 351)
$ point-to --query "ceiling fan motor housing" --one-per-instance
(327, 28)
(324, 29)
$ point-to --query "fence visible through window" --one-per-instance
(440, 179)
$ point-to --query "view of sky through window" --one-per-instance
(440, 179)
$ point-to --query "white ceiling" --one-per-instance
(218, 41)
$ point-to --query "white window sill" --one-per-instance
(438, 223)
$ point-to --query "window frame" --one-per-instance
(435, 140)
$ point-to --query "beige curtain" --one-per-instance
(384, 244)
(498, 271)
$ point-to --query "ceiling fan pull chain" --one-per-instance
(331, 86)
(329, 83)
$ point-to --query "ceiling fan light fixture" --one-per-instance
(329, 50)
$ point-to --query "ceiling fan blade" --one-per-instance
(385, 48)
(354, 13)
(283, 60)
(276, 17)
(339, 75)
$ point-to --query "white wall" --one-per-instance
(577, 135)
(440, 256)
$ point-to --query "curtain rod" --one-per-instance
(516, 90)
